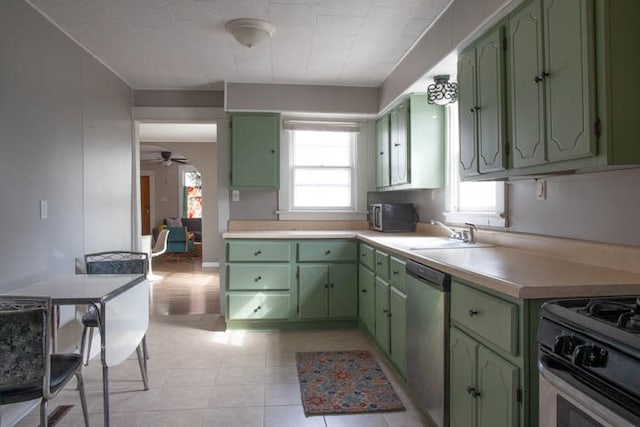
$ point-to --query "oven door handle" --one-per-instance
(558, 376)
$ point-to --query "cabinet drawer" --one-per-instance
(397, 273)
(338, 250)
(258, 251)
(492, 318)
(258, 276)
(382, 264)
(258, 305)
(367, 256)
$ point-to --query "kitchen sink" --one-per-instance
(419, 243)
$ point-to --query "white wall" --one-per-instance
(65, 135)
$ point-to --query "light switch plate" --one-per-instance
(541, 189)
(44, 209)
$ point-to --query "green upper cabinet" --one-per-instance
(552, 82)
(416, 150)
(382, 159)
(255, 148)
(482, 106)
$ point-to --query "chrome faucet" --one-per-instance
(471, 234)
(453, 234)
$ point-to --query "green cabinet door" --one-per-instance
(400, 139)
(367, 298)
(570, 86)
(463, 357)
(398, 329)
(382, 315)
(255, 141)
(382, 153)
(343, 290)
(466, 113)
(552, 82)
(313, 295)
(527, 95)
(498, 383)
(490, 102)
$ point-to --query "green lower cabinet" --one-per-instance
(383, 326)
(367, 298)
(483, 386)
(398, 329)
(327, 291)
(258, 305)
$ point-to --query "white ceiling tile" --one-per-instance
(345, 7)
(172, 44)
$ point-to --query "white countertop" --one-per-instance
(513, 272)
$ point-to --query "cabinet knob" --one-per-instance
(256, 253)
(273, 151)
(379, 263)
(256, 309)
(474, 110)
(385, 311)
(331, 285)
(327, 252)
(473, 391)
(395, 272)
(364, 291)
(257, 279)
(326, 286)
(473, 313)
(396, 144)
(382, 153)
(540, 78)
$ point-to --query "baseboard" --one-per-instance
(210, 264)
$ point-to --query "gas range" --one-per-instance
(595, 343)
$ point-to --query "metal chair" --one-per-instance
(158, 249)
(28, 370)
(113, 262)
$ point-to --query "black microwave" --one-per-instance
(393, 217)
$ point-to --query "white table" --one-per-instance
(122, 301)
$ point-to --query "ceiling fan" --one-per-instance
(167, 160)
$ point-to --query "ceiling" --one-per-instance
(182, 44)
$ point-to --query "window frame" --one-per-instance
(497, 217)
(362, 174)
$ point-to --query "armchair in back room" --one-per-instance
(179, 241)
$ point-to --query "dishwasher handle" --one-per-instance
(429, 276)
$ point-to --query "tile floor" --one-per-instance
(202, 375)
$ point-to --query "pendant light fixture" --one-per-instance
(442, 91)
(250, 32)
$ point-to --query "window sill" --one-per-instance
(491, 219)
(322, 215)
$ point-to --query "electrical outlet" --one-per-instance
(235, 196)
(541, 189)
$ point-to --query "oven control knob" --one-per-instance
(566, 344)
(590, 356)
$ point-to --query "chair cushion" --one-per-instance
(63, 367)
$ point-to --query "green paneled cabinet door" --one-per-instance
(327, 291)
(490, 109)
(382, 152)
(382, 315)
(463, 353)
(484, 386)
(498, 382)
(313, 291)
(399, 144)
(552, 84)
(255, 144)
(367, 298)
(468, 165)
(398, 329)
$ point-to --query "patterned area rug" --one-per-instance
(344, 382)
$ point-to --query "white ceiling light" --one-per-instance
(442, 91)
(250, 32)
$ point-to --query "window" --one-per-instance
(191, 194)
(322, 170)
(481, 203)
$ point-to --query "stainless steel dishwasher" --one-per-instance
(428, 293)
